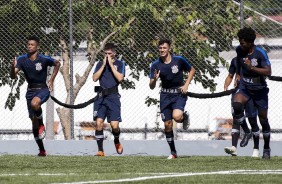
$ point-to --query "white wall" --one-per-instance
(134, 111)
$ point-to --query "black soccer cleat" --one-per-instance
(246, 139)
(266, 154)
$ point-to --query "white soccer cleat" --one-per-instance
(231, 150)
(255, 153)
(172, 156)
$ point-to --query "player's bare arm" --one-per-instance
(154, 80)
(266, 70)
(14, 71)
(228, 81)
(54, 74)
(191, 74)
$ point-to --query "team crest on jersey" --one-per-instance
(38, 66)
(254, 62)
(174, 69)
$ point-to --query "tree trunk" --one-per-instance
(64, 115)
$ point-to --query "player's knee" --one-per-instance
(115, 128)
(236, 125)
(99, 125)
(238, 115)
(168, 126)
(237, 107)
(252, 120)
(265, 125)
(177, 118)
(35, 105)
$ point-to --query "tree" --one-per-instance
(199, 30)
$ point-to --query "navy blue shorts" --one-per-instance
(108, 107)
(43, 94)
(250, 108)
(169, 102)
(259, 97)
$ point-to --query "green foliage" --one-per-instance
(151, 101)
(199, 30)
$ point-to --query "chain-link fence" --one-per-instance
(204, 32)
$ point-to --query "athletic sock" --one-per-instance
(235, 133)
(245, 127)
(256, 139)
(38, 115)
(266, 138)
(99, 134)
(37, 140)
(116, 136)
(170, 141)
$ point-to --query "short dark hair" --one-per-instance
(247, 33)
(35, 38)
(110, 46)
(165, 40)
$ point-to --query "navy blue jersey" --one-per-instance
(250, 79)
(35, 71)
(107, 79)
(232, 68)
(171, 74)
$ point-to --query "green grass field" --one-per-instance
(138, 169)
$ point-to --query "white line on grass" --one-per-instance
(39, 174)
(171, 175)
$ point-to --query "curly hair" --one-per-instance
(33, 37)
(247, 33)
(165, 40)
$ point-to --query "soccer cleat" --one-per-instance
(42, 132)
(186, 122)
(172, 156)
(119, 148)
(266, 154)
(231, 150)
(100, 154)
(246, 138)
(255, 153)
(42, 153)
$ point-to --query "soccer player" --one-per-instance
(250, 112)
(34, 65)
(170, 69)
(253, 67)
(110, 72)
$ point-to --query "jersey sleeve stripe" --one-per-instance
(264, 54)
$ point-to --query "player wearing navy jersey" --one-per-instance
(253, 67)
(110, 72)
(34, 66)
(251, 114)
(170, 69)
